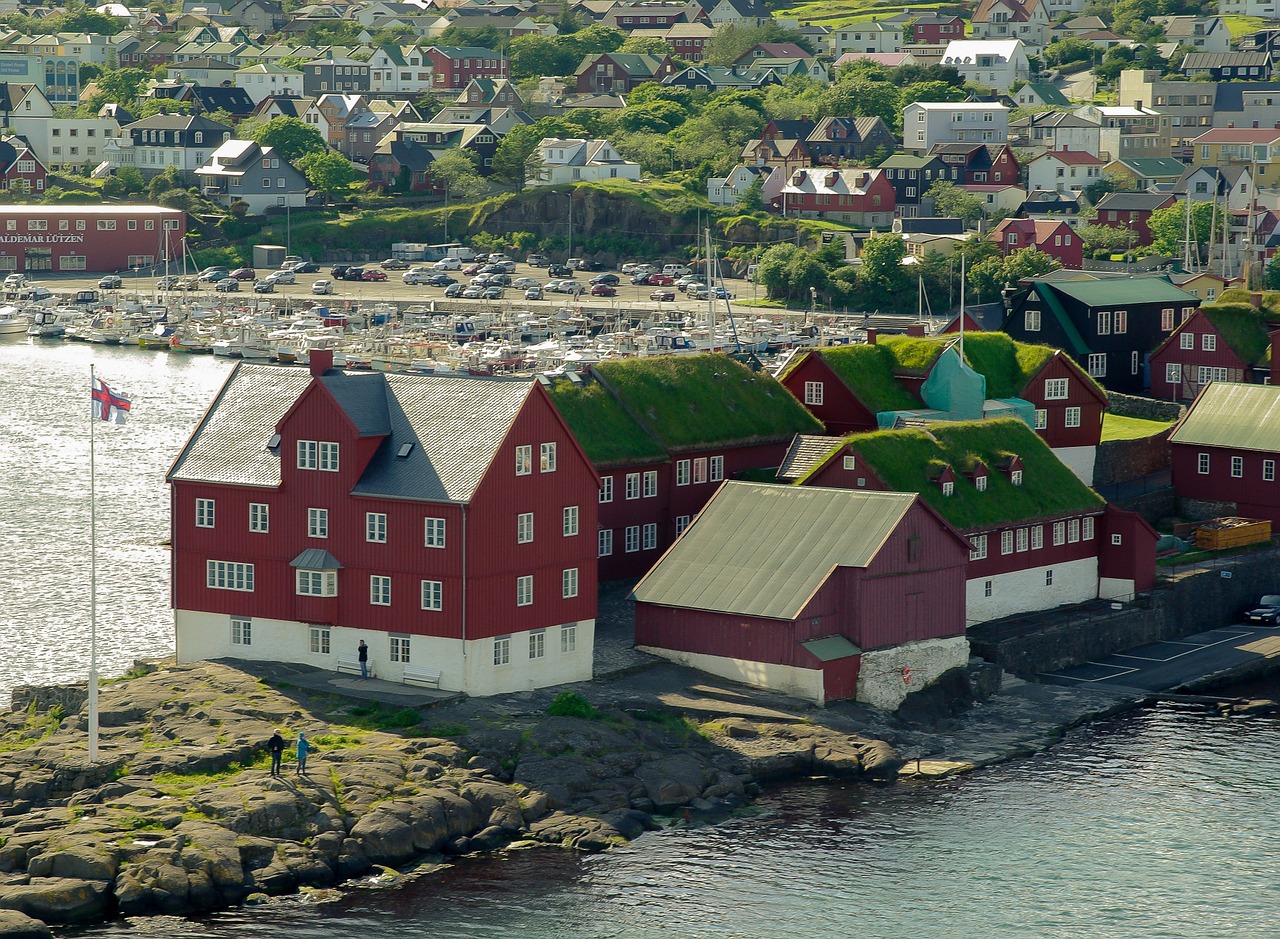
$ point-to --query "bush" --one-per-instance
(569, 704)
(219, 257)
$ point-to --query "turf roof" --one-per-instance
(1243, 328)
(867, 370)
(907, 460)
(608, 434)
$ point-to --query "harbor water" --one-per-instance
(1161, 823)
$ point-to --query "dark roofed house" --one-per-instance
(1227, 66)
(1132, 211)
(619, 72)
(834, 140)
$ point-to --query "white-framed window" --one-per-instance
(259, 517)
(1086, 528)
(1173, 373)
(1117, 539)
(375, 527)
(1024, 540)
(1098, 364)
(716, 467)
(379, 590)
(650, 484)
(316, 583)
(980, 483)
(1031, 321)
(604, 542)
(204, 513)
(524, 528)
(948, 488)
(1208, 373)
(850, 462)
(1209, 342)
(1187, 340)
(1015, 477)
(229, 575)
(569, 582)
(547, 457)
(700, 470)
(1073, 530)
(502, 650)
(977, 547)
(1042, 418)
(400, 647)
(317, 523)
(568, 638)
(1121, 321)
(1071, 417)
(319, 636)
(1237, 467)
(1104, 322)
(241, 631)
(606, 488)
(1055, 388)
(433, 595)
(1166, 320)
(632, 538)
(813, 392)
(524, 460)
(1202, 464)
(682, 472)
(1268, 471)
(328, 457)
(308, 454)
(1006, 541)
(524, 590)
(1037, 537)
(570, 526)
(537, 644)
(633, 485)
(1059, 534)
(433, 532)
(649, 536)
(682, 522)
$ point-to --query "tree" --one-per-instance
(730, 42)
(1273, 274)
(121, 85)
(1106, 238)
(289, 136)
(772, 268)
(455, 170)
(950, 201)
(929, 91)
(989, 277)
(863, 97)
(645, 45)
(882, 274)
(327, 170)
(511, 159)
(752, 198)
(1168, 228)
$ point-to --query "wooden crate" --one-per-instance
(1223, 533)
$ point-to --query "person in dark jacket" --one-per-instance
(275, 746)
(363, 655)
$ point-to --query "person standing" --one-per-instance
(275, 746)
(363, 655)
(304, 747)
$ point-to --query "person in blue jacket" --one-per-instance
(304, 747)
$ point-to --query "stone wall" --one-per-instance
(46, 697)
(1119, 461)
(1146, 408)
(1198, 510)
(1153, 506)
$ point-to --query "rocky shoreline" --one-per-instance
(181, 815)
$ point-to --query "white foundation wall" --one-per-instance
(803, 683)
(882, 682)
(202, 636)
(1114, 588)
(1080, 460)
(1025, 590)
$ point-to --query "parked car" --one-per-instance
(692, 287)
(14, 281)
(416, 275)
(167, 282)
(227, 285)
(322, 287)
(306, 267)
(264, 286)
(244, 273)
(394, 264)
(493, 292)
(533, 293)
(684, 282)
(559, 270)
(187, 283)
(454, 290)
(372, 273)
(629, 267)
(662, 295)
(448, 264)
(282, 277)
(472, 293)
(504, 266)
(354, 273)
(702, 292)
(440, 280)
(660, 280)
(524, 283)
(213, 274)
(339, 271)
(111, 282)
(537, 260)
(603, 290)
(471, 270)
(609, 280)
(1266, 612)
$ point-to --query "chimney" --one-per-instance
(321, 361)
(1255, 301)
(1274, 336)
(871, 335)
(916, 330)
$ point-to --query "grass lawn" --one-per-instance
(835, 13)
(1117, 427)
(1242, 25)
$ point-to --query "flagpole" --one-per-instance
(93, 585)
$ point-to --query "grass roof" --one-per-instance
(1243, 328)
(688, 401)
(907, 460)
(913, 354)
(608, 434)
(868, 373)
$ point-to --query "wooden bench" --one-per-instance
(420, 675)
(349, 663)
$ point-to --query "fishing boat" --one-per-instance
(13, 321)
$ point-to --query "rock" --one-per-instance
(739, 729)
(56, 901)
(352, 861)
(77, 863)
(576, 831)
(673, 781)
(490, 839)
(15, 925)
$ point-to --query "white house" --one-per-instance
(576, 160)
(1027, 20)
(244, 171)
(926, 123)
(1063, 171)
(728, 189)
(59, 141)
(263, 81)
(875, 36)
(393, 69)
(991, 63)
(1264, 9)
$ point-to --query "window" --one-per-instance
(569, 582)
(380, 590)
(229, 575)
(1059, 533)
(1015, 477)
(1073, 530)
(204, 513)
(258, 517)
(399, 649)
(948, 488)
(1023, 539)
(633, 485)
(433, 532)
(433, 595)
(568, 639)
(241, 631)
(524, 460)
(1166, 319)
(1087, 527)
(650, 484)
(1042, 418)
(1209, 342)
(1208, 373)
(980, 483)
(650, 536)
(1072, 417)
(1031, 321)
(570, 527)
(1037, 537)
(1048, 577)
(375, 527)
(682, 522)
(1104, 323)
(813, 392)
(682, 472)
(106, 224)
(537, 644)
(547, 457)
(307, 454)
(700, 470)
(328, 457)
(606, 489)
(986, 588)
(524, 590)
(1173, 373)
(1187, 340)
(317, 523)
(977, 547)
(1006, 542)
(1098, 364)
(1121, 321)
(502, 650)
(604, 542)
(524, 528)
(717, 468)
(1269, 471)
(1202, 464)
(316, 583)
(320, 640)
(850, 462)
(1237, 466)
(632, 538)
(1055, 388)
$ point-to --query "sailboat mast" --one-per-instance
(711, 301)
(962, 306)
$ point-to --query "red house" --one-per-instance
(855, 196)
(448, 522)
(456, 66)
(858, 388)
(1132, 211)
(1049, 236)
(937, 30)
(664, 432)
(1225, 448)
(825, 594)
(20, 168)
(979, 163)
(1227, 343)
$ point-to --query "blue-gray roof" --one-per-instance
(364, 399)
(316, 559)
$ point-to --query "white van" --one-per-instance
(676, 270)
(462, 254)
(447, 264)
(751, 273)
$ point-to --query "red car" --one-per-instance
(663, 295)
(471, 270)
(244, 273)
(373, 274)
(660, 280)
(603, 290)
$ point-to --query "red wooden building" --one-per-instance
(937, 30)
(824, 594)
(1132, 212)
(980, 164)
(1227, 343)
(856, 195)
(456, 66)
(20, 168)
(88, 237)
(448, 522)
(1053, 237)
(664, 432)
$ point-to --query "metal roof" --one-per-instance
(1116, 291)
(1239, 416)
(831, 648)
(758, 549)
(316, 559)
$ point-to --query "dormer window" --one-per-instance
(980, 482)
(948, 488)
(1015, 477)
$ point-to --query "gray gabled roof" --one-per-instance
(1236, 416)
(806, 452)
(364, 401)
(759, 549)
